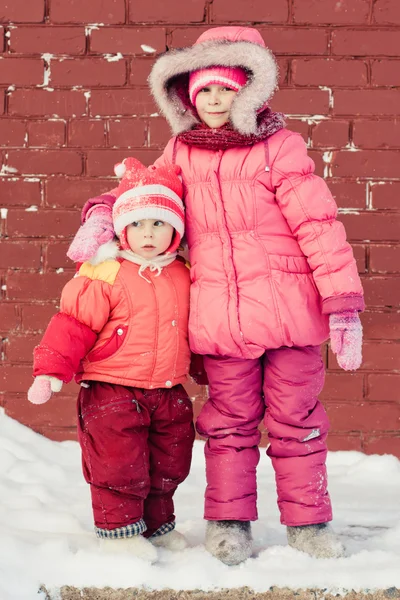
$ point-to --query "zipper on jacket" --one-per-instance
(137, 406)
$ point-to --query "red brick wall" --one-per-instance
(69, 89)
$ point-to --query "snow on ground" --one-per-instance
(47, 536)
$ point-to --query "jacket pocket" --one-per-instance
(111, 346)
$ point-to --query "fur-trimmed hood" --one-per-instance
(223, 46)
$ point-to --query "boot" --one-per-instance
(173, 540)
(318, 540)
(229, 541)
(136, 545)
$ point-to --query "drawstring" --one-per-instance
(156, 264)
(153, 267)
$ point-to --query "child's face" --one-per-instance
(149, 237)
(213, 104)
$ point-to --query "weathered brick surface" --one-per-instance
(74, 100)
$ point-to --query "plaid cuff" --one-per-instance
(122, 532)
(166, 528)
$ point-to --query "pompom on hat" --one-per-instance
(231, 77)
(148, 194)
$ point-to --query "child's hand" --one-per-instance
(346, 339)
(42, 388)
(96, 231)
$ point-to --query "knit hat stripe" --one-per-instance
(150, 212)
(233, 77)
(205, 81)
(149, 190)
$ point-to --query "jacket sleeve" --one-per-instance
(72, 332)
(310, 211)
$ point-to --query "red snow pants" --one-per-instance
(136, 449)
(283, 384)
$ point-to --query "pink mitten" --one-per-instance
(346, 339)
(42, 388)
(97, 230)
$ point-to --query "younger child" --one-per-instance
(122, 331)
(272, 278)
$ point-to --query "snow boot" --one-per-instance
(136, 545)
(229, 541)
(318, 540)
(173, 540)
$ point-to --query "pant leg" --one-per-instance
(297, 427)
(229, 420)
(171, 437)
(113, 437)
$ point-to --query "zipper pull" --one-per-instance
(137, 406)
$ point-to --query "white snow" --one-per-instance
(47, 536)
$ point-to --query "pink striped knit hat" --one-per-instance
(232, 77)
(148, 194)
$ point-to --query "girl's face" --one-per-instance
(149, 237)
(213, 104)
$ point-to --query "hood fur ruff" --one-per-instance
(170, 74)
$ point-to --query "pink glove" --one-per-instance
(97, 230)
(346, 339)
(42, 388)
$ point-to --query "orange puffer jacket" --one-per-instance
(115, 326)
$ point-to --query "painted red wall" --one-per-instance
(73, 73)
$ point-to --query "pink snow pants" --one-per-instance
(283, 384)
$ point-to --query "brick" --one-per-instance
(330, 134)
(364, 416)
(21, 71)
(42, 103)
(329, 72)
(50, 133)
(36, 317)
(129, 133)
(127, 40)
(293, 40)
(2, 39)
(57, 256)
(46, 162)
(350, 42)
(382, 444)
(316, 156)
(179, 37)
(157, 11)
(10, 318)
(365, 163)
(386, 12)
(301, 102)
(42, 223)
(85, 132)
(376, 357)
(12, 132)
(126, 102)
(371, 226)
(331, 12)
(100, 162)
(381, 325)
(48, 39)
(224, 11)
(140, 71)
(15, 378)
(160, 132)
(343, 386)
(283, 71)
(35, 286)
(359, 255)
(384, 259)
(376, 134)
(344, 442)
(58, 434)
(385, 195)
(87, 11)
(88, 72)
(59, 411)
(382, 291)
(299, 126)
(62, 192)
(17, 192)
(19, 348)
(367, 102)
(19, 11)
(20, 255)
(348, 194)
(384, 387)
(385, 72)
